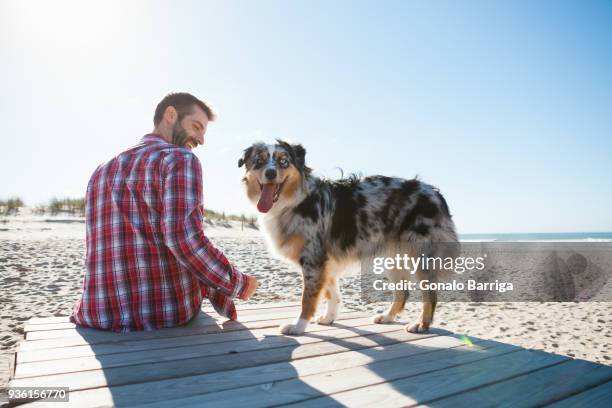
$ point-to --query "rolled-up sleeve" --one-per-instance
(182, 225)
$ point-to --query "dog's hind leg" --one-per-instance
(444, 248)
(399, 300)
(334, 300)
(430, 298)
(396, 307)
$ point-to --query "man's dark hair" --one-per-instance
(183, 102)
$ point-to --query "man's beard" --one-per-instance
(179, 135)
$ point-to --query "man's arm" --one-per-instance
(184, 235)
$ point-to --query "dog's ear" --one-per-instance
(245, 156)
(300, 155)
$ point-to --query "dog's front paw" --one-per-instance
(383, 319)
(325, 319)
(417, 327)
(291, 329)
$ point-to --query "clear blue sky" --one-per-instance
(506, 106)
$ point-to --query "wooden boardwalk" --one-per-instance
(213, 362)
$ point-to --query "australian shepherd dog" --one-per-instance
(322, 225)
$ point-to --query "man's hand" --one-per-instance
(251, 287)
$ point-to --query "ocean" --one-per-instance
(539, 237)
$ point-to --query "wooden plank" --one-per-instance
(255, 306)
(204, 316)
(199, 322)
(128, 346)
(118, 338)
(423, 388)
(202, 365)
(323, 383)
(207, 308)
(599, 396)
(171, 353)
(536, 388)
(167, 390)
(47, 320)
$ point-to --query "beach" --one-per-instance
(41, 272)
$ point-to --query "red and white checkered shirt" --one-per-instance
(148, 261)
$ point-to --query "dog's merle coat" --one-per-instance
(322, 224)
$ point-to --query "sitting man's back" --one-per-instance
(148, 261)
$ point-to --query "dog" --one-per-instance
(323, 225)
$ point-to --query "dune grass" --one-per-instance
(72, 206)
(221, 217)
(76, 207)
(10, 206)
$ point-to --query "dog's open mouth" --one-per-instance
(270, 192)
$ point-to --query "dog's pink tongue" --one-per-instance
(267, 198)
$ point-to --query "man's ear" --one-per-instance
(245, 156)
(170, 115)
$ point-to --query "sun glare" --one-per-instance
(67, 24)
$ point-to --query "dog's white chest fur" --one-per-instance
(275, 239)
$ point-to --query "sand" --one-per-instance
(41, 270)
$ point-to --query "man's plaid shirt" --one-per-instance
(148, 261)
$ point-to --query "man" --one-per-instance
(148, 262)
